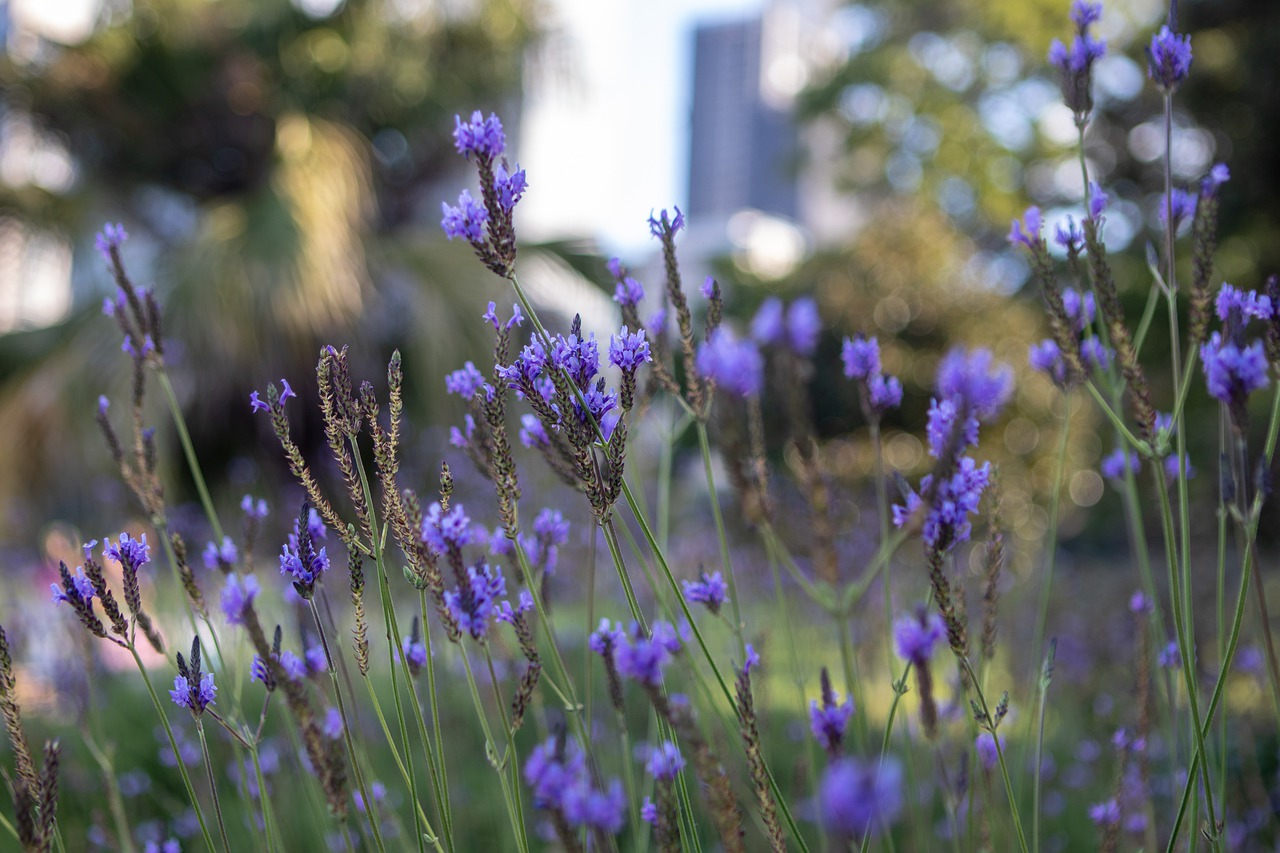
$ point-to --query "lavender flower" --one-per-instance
(956, 499)
(550, 531)
(1097, 201)
(169, 846)
(710, 590)
(194, 698)
(532, 433)
(753, 659)
(131, 554)
(237, 596)
(1248, 304)
(858, 798)
(628, 292)
(734, 365)
(447, 531)
(257, 510)
(985, 746)
(471, 607)
(1069, 237)
(1232, 372)
(885, 392)
(1084, 13)
(915, 635)
(1217, 176)
(558, 775)
(332, 726)
(664, 224)
(304, 565)
(972, 376)
(1107, 812)
(1114, 464)
(510, 186)
(1026, 232)
(829, 718)
(804, 326)
(1168, 59)
(665, 761)
(768, 326)
(1184, 208)
(644, 658)
(295, 668)
(480, 137)
(861, 357)
(81, 588)
(216, 556)
(109, 238)
(465, 381)
(628, 350)
(467, 220)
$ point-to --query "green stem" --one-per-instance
(726, 561)
(213, 784)
(491, 750)
(1051, 551)
(1004, 770)
(189, 451)
(173, 744)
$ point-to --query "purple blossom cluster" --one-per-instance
(193, 697)
(486, 223)
(861, 357)
(797, 327)
(447, 531)
(1075, 61)
(710, 590)
(131, 554)
(917, 634)
(217, 556)
(665, 761)
(237, 595)
(472, 606)
(644, 658)
(735, 365)
(1234, 367)
(857, 798)
(1168, 59)
(109, 239)
(1046, 356)
(558, 776)
(550, 531)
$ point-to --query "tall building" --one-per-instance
(742, 143)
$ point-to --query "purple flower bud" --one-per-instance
(753, 659)
(1097, 201)
(510, 186)
(1113, 466)
(736, 366)
(856, 798)
(1069, 237)
(237, 596)
(1233, 372)
(446, 530)
(665, 761)
(110, 237)
(915, 635)
(1169, 58)
(1027, 230)
(628, 292)
(1083, 14)
(628, 350)
(708, 288)
(215, 555)
(861, 357)
(711, 590)
(663, 224)
(1248, 303)
(465, 381)
(988, 756)
(975, 378)
(804, 326)
(467, 220)
(767, 327)
(482, 137)
(1217, 176)
(1105, 813)
(415, 652)
(195, 699)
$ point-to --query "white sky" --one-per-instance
(605, 129)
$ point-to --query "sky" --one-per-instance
(605, 124)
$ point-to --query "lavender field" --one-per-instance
(343, 515)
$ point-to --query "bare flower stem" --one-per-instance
(213, 784)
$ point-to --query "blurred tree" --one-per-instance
(274, 162)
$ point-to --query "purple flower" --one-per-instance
(195, 699)
(216, 555)
(510, 615)
(1114, 464)
(1139, 603)
(734, 365)
(1217, 176)
(472, 607)
(445, 531)
(256, 510)
(532, 433)
(1095, 354)
(258, 670)
(1084, 13)
(169, 846)
(985, 746)
(465, 381)
(1097, 201)
(663, 224)
(856, 798)
(550, 531)
(767, 327)
(708, 288)
(710, 590)
(861, 357)
(1107, 812)
(1027, 230)
(1184, 207)
(941, 428)
(972, 376)
(628, 292)
(804, 326)
(81, 588)
(109, 238)
(304, 565)
(829, 718)
(1173, 467)
(1169, 58)
(1248, 304)
(558, 775)
(615, 267)
(317, 661)
(1080, 308)
(665, 761)
(332, 726)
(131, 554)
(237, 595)
(377, 791)
(1046, 357)
(295, 668)
(1170, 656)
(649, 812)
(1233, 372)
(467, 220)
(482, 137)
(577, 356)
(628, 350)
(643, 658)
(1079, 58)
(607, 638)
(510, 186)
(1069, 237)
(916, 634)
(753, 659)
(947, 523)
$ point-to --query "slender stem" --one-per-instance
(213, 784)
(188, 450)
(1004, 770)
(726, 561)
(370, 805)
(491, 749)
(114, 800)
(1051, 548)
(173, 744)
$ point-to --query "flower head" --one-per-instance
(628, 350)
(1026, 231)
(131, 554)
(193, 697)
(446, 531)
(735, 365)
(1097, 201)
(81, 588)
(974, 378)
(1084, 13)
(1232, 372)
(1184, 208)
(915, 635)
(481, 137)
(804, 326)
(1114, 464)
(109, 239)
(988, 756)
(665, 761)
(1247, 304)
(628, 292)
(466, 220)
(663, 225)
(472, 605)
(237, 595)
(550, 531)
(215, 555)
(861, 357)
(644, 658)
(857, 798)
(1169, 58)
(510, 186)
(710, 590)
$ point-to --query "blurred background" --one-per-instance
(279, 165)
